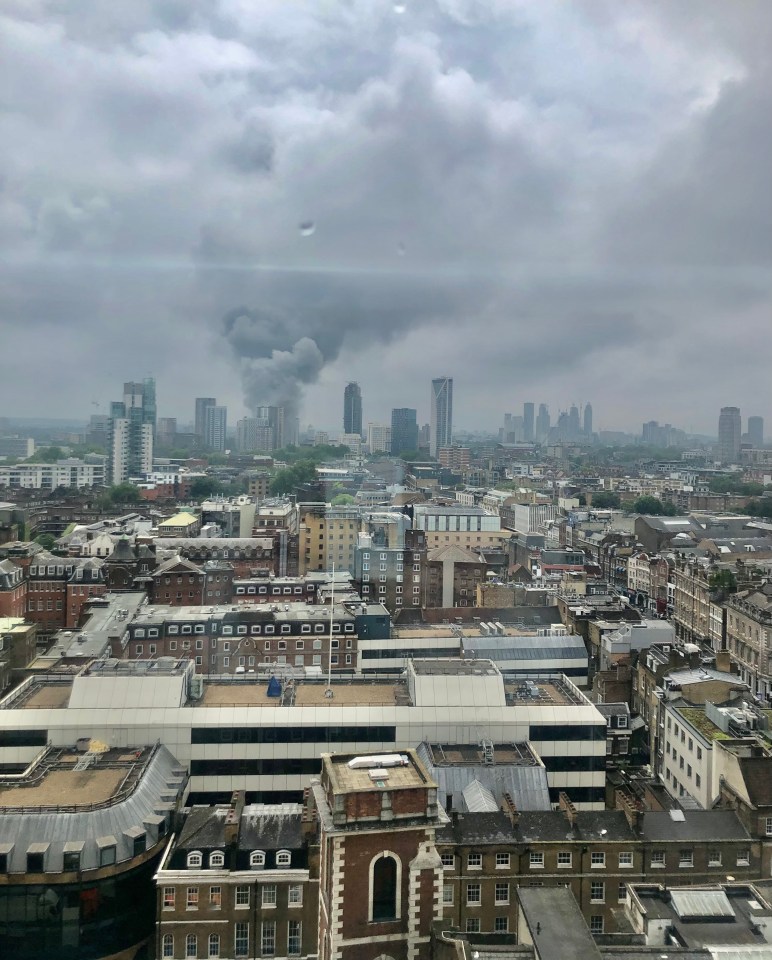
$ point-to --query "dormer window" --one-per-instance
(194, 859)
(257, 859)
(217, 859)
(283, 858)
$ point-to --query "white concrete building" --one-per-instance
(49, 476)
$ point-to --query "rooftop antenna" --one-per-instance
(328, 692)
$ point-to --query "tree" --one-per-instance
(125, 493)
(204, 487)
(605, 500)
(723, 580)
(46, 540)
(650, 506)
(285, 481)
(343, 499)
(47, 455)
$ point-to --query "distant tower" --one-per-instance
(201, 406)
(215, 428)
(573, 422)
(756, 431)
(352, 409)
(588, 420)
(404, 430)
(729, 434)
(543, 423)
(528, 422)
(441, 415)
(130, 432)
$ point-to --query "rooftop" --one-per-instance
(303, 694)
(395, 771)
(446, 754)
(542, 691)
(704, 726)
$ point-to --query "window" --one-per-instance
(283, 858)
(472, 924)
(743, 858)
(192, 898)
(167, 945)
(501, 893)
(622, 893)
(71, 859)
(191, 945)
(294, 938)
(295, 894)
(597, 891)
(474, 861)
(257, 859)
(473, 895)
(194, 859)
(449, 859)
(596, 924)
(447, 894)
(714, 858)
(768, 826)
(269, 895)
(502, 861)
(686, 858)
(536, 860)
(267, 939)
(626, 859)
(107, 855)
(383, 888)
(565, 858)
(501, 924)
(597, 860)
(242, 896)
(214, 944)
(217, 859)
(168, 900)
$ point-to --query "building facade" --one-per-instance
(441, 425)
(352, 409)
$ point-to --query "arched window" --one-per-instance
(257, 858)
(385, 878)
(194, 858)
(167, 945)
(217, 859)
(191, 945)
(283, 858)
(214, 944)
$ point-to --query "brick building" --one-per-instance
(451, 577)
(178, 583)
(13, 590)
(88, 580)
(58, 587)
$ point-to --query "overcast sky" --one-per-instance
(548, 201)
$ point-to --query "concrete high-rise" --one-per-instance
(130, 431)
(573, 422)
(588, 420)
(273, 419)
(215, 428)
(404, 430)
(756, 431)
(441, 414)
(528, 422)
(202, 403)
(352, 409)
(543, 423)
(729, 434)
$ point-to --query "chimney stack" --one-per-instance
(632, 809)
(233, 818)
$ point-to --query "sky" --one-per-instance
(550, 202)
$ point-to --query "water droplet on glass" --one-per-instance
(307, 227)
(401, 249)
(400, 7)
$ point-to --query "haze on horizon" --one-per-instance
(547, 201)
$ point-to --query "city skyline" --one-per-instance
(600, 216)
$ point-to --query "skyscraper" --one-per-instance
(201, 407)
(352, 409)
(404, 430)
(441, 414)
(573, 422)
(756, 431)
(130, 431)
(588, 420)
(528, 422)
(273, 419)
(543, 423)
(729, 434)
(215, 428)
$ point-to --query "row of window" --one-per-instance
(274, 591)
(213, 943)
(242, 767)
(567, 731)
(598, 860)
(241, 629)
(315, 734)
(241, 896)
